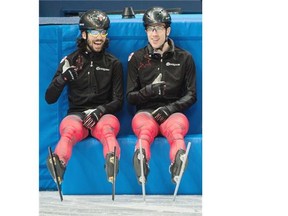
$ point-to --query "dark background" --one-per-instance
(65, 8)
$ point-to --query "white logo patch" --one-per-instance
(172, 64)
(103, 69)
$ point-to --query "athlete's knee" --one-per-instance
(108, 122)
(144, 123)
(72, 125)
(177, 121)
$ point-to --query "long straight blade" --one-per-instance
(55, 173)
(142, 171)
(181, 171)
(114, 176)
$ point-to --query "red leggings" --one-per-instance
(72, 131)
(174, 129)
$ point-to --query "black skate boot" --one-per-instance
(109, 166)
(137, 165)
(175, 167)
(59, 165)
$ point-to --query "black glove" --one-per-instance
(69, 73)
(92, 116)
(161, 114)
(157, 87)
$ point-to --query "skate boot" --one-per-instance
(137, 165)
(59, 165)
(175, 167)
(109, 166)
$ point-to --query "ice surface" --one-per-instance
(128, 205)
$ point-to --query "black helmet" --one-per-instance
(94, 19)
(156, 15)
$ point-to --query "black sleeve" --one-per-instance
(56, 86)
(117, 90)
(135, 95)
(189, 97)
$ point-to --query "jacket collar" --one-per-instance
(169, 51)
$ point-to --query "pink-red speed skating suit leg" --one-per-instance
(174, 129)
(146, 128)
(72, 131)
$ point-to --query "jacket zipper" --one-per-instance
(161, 67)
(89, 76)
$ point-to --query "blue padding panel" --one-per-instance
(86, 175)
(126, 36)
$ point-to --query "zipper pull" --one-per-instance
(91, 64)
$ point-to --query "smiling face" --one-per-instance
(95, 40)
(157, 34)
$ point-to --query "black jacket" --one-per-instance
(178, 71)
(100, 82)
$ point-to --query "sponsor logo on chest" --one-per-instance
(102, 69)
(172, 64)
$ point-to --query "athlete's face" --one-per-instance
(156, 34)
(96, 39)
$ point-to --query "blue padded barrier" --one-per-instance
(126, 36)
(85, 173)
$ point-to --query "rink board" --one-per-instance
(86, 175)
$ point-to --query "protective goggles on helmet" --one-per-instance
(95, 33)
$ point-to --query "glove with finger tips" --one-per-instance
(92, 117)
(157, 87)
(89, 122)
(161, 114)
(69, 72)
